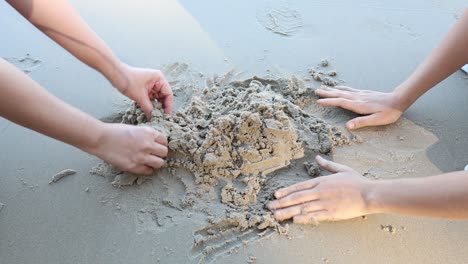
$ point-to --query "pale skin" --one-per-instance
(346, 194)
(23, 101)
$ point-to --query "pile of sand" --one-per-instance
(235, 134)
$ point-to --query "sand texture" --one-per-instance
(169, 217)
(232, 144)
(231, 136)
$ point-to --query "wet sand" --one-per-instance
(83, 219)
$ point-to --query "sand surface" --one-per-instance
(85, 219)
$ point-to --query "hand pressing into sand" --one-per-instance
(378, 108)
(138, 150)
(143, 86)
(336, 197)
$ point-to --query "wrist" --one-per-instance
(96, 139)
(117, 75)
(401, 100)
(373, 197)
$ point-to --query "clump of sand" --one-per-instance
(319, 75)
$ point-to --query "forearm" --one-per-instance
(26, 103)
(60, 21)
(441, 196)
(449, 56)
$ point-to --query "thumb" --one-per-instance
(147, 106)
(364, 121)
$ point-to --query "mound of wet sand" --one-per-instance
(231, 137)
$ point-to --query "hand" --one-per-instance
(139, 150)
(143, 86)
(379, 108)
(340, 196)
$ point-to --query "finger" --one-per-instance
(292, 211)
(296, 187)
(333, 94)
(340, 102)
(160, 138)
(313, 218)
(158, 150)
(142, 170)
(294, 199)
(146, 106)
(168, 103)
(346, 88)
(312, 206)
(331, 166)
(364, 121)
(154, 162)
(165, 95)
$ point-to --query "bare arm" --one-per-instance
(26, 103)
(60, 21)
(385, 108)
(448, 57)
(346, 194)
(440, 196)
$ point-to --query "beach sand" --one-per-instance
(85, 219)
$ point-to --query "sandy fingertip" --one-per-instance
(278, 194)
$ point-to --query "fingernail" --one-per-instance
(351, 125)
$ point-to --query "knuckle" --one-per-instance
(139, 159)
(282, 202)
(299, 196)
(295, 188)
(146, 146)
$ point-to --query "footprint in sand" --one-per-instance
(281, 19)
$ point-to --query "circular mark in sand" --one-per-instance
(27, 63)
(280, 20)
